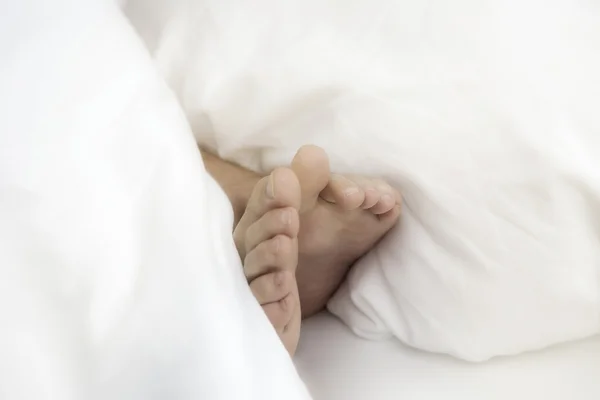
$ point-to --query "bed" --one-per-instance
(337, 365)
(365, 80)
(102, 194)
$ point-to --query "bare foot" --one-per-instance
(341, 218)
(267, 240)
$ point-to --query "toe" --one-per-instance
(278, 190)
(311, 166)
(280, 221)
(391, 217)
(372, 197)
(273, 287)
(276, 254)
(280, 312)
(344, 192)
(387, 199)
(386, 203)
(291, 332)
(369, 187)
(277, 294)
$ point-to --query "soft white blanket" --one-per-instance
(119, 278)
(484, 114)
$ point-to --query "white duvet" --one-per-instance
(483, 113)
(119, 278)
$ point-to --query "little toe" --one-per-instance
(291, 332)
(344, 192)
(391, 217)
(277, 294)
(277, 254)
(386, 203)
(280, 312)
(273, 287)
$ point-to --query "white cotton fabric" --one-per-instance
(483, 113)
(119, 278)
(337, 365)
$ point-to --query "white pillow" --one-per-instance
(484, 114)
(119, 278)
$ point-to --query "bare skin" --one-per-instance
(267, 240)
(334, 221)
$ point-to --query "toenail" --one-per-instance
(351, 191)
(270, 189)
(286, 217)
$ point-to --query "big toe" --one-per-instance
(311, 166)
(272, 199)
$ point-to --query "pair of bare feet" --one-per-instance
(300, 231)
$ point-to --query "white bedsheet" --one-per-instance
(336, 365)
